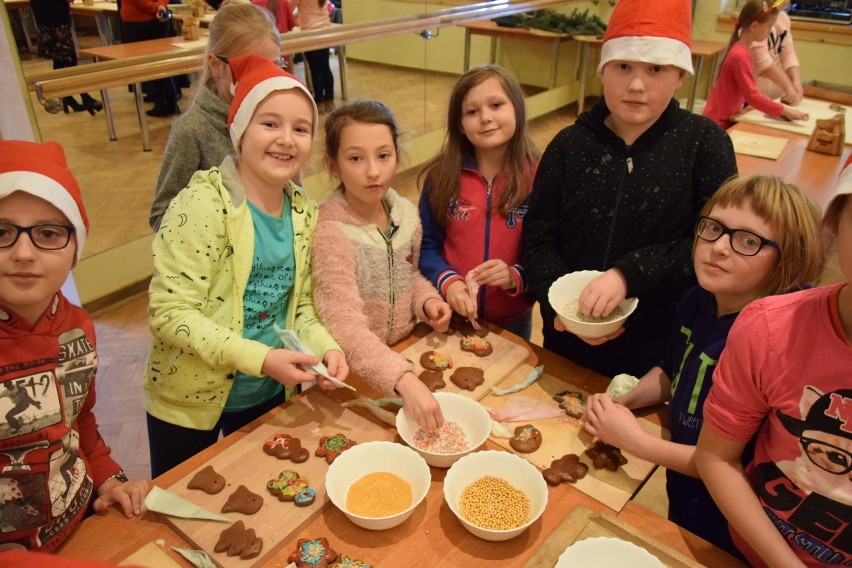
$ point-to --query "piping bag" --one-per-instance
(291, 341)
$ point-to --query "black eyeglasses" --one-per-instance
(280, 62)
(45, 237)
(743, 242)
(827, 456)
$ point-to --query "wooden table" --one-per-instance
(433, 531)
(102, 11)
(492, 30)
(813, 173)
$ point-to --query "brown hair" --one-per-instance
(794, 220)
(752, 11)
(443, 172)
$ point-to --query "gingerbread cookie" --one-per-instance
(476, 345)
(468, 378)
(434, 361)
(312, 553)
(457, 321)
(332, 446)
(285, 447)
(243, 501)
(346, 562)
(605, 456)
(526, 440)
(237, 539)
(207, 480)
(567, 469)
(421, 330)
(572, 402)
(432, 379)
(468, 329)
(288, 484)
(305, 497)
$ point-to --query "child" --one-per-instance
(281, 11)
(199, 139)
(735, 85)
(785, 377)
(369, 292)
(774, 248)
(53, 463)
(312, 15)
(474, 199)
(231, 258)
(619, 191)
(775, 62)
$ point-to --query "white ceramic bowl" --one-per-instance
(567, 289)
(374, 457)
(467, 413)
(520, 473)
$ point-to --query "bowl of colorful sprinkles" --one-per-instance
(466, 427)
(377, 485)
(564, 298)
(496, 495)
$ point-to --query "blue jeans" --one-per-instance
(522, 327)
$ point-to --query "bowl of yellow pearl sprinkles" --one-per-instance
(564, 298)
(495, 495)
(377, 485)
(466, 427)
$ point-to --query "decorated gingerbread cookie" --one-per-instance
(312, 553)
(526, 440)
(285, 447)
(605, 456)
(433, 379)
(468, 378)
(290, 486)
(207, 480)
(243, 501)
(476, 345)
(346, 562)
(332, 446)
(572, 402)
(238, 540)
(434, 361)
(567, 469)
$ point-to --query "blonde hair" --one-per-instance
(234, 30)
(795, 222)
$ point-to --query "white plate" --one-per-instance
(604, 552)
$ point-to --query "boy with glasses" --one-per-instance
(54, 465)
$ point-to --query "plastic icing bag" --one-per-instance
(291, 341)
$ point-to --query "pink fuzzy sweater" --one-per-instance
(367, 289)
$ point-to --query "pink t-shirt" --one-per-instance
(787, 372)
(311, 15)
(735, 87)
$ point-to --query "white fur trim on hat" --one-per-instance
(50, 190)
(647, 49)
(256, 96)
(844, 182)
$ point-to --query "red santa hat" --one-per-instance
(256, 78)
(651, 31)
(41, 170)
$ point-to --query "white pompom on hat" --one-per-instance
(42, 170)
(844, 182)
(650, 31)
(256, 78)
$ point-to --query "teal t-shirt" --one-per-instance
(265, 300)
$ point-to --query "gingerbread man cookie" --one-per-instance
(432, 379)
(434, 361)
(332, 446)
(207, 480)
(243, 501)
(290, 486)
(468, 378)
(237, 539)
(476, 345)
(567, 469)
(283, 446)
(312, 553)
(605, 456)
(526, 440)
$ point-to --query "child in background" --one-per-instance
(785, 376)
(474, 199)
(735, 85)
(312, 15)
(281, 11)
(54, 464)
(775, 62)
(368, 290)
(231, 258)
(619, 191)
(199, 139)
(772, 247)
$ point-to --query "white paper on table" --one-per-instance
(291, 341)
(168, 503)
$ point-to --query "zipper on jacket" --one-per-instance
(615, 212)
(489, 185)
(629, 165)
(391, 295)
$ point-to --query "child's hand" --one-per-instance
(459, 299)
(793, 114)
(603, 294)
(283, 366)
(494, 272)
(128, 494)
(792, 98)
(337, 367)
(419, 402)
(612, 422)
(439, 314)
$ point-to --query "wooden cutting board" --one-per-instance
(150, 556)
(815, 109)
(308, 418)
(565, 435)
(505, 358)
(582, 523)
(758, 145)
